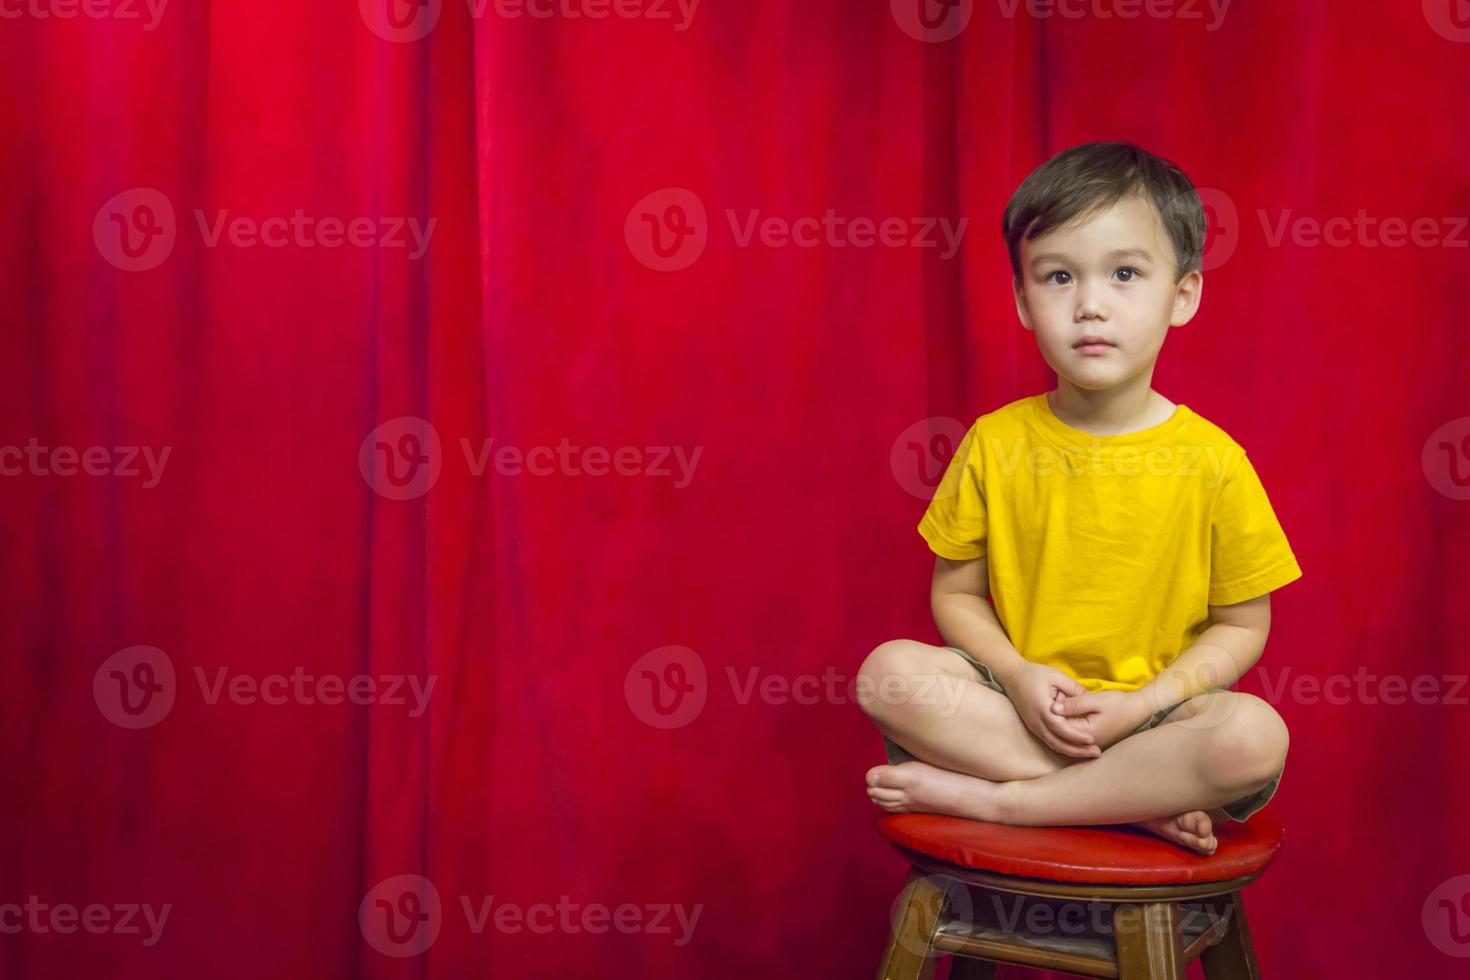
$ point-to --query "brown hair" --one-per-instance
(1092, 177)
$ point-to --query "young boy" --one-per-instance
(1127, 542)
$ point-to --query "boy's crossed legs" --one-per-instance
(980, 761)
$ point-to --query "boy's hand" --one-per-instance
(1034, 689)
(1107, 716)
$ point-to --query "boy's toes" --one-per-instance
(1197, 822)
(884, 776)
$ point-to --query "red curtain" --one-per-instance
(569, 364)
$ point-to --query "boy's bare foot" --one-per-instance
(1193, 830)
(917, 787)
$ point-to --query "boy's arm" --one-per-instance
(1228, 648)
(958, 597)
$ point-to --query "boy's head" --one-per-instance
(1105, 241)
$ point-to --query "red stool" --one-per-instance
(1090, 901)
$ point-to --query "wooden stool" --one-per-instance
(1090, 901)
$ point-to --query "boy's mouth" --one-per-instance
(1092, 345)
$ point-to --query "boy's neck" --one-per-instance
(1112, 411)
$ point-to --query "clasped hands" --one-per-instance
(1067, 717)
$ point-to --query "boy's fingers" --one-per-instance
(1075, 751)
(1070, 707)
(1061, 729)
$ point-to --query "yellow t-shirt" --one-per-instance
(1105, 551)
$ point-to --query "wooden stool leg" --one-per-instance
(969, 968)
(1234, 956)
(910, 953)
(1148, 940)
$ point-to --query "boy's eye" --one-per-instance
(1128, 272)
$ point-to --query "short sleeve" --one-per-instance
(954, 524)
(1249, 553)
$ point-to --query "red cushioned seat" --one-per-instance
(1118, 855)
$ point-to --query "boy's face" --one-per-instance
(1112, 276)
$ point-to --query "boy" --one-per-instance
(1127, 541)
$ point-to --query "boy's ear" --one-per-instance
(1021, 309)
(1186, 298)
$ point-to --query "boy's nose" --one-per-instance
(1089, 304)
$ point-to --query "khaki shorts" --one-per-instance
(1239, 810)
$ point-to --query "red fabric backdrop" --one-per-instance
(542, 601)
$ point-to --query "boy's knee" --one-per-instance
(890, 664)
(1251, 742)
